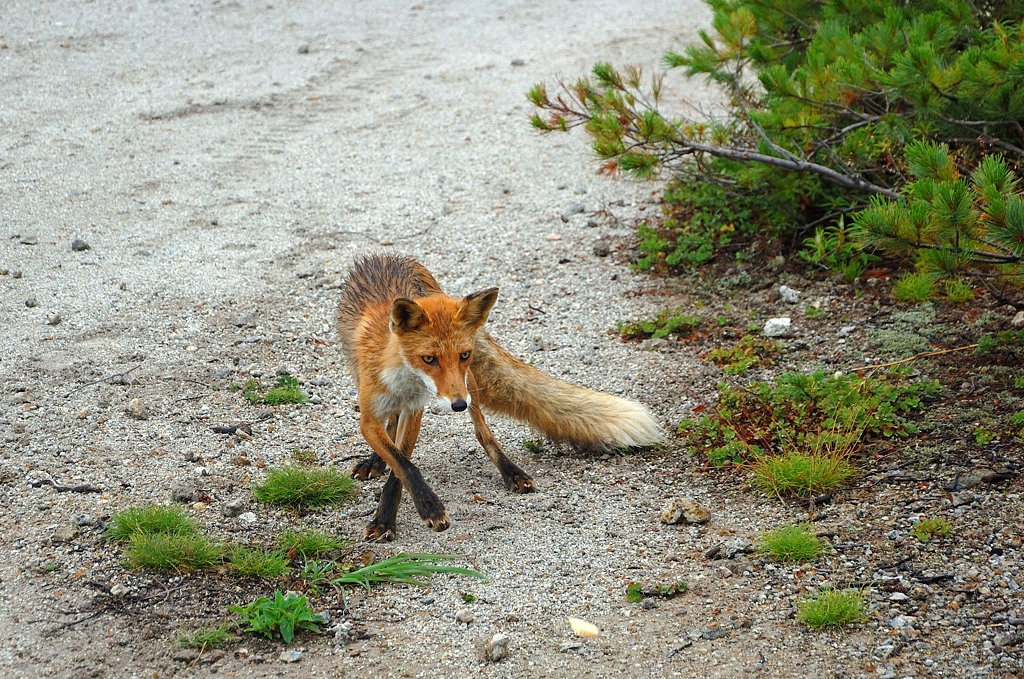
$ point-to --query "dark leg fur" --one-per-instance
(515, 478)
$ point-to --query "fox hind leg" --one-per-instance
(515, 478)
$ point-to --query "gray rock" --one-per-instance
(576, 208)
(290, 656)
(788, 294)
(778, 327)
(79, 245)
(602, 248)
(233, 508)
(247, 517)
(137, 410)
(31, 303)
(465, 616)
(183, 493)
(54, 319)
(684, 510)
(1018, 320)
(730, 548)
(846, 330)
(66, 532)
(496, 649)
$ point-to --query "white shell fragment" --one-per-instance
(582, 628)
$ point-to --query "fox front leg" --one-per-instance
(403, 474)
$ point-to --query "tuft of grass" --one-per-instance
(795, 544)
(915, 287)
(959, 291)
(638, 591)
(927, 530)
(832, 608)
(310, 544)
(406, 569)
(533, 446)
(149, 520)
(172, 552)
(304, 487)
(207, 637)
(801, 474)
(286, 390)
(259, 563)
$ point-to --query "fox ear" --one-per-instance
(477, 305)
(406, 316)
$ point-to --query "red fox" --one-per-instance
(410, 346)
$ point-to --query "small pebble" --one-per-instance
(79, 245)
(290, 656)
(31, 303)
(497, 648)
(464, 617)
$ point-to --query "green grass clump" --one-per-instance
(171, 552)
(667, 322)
(795, 544)
(259, 563)
(149, 520)
(927, 530)
(832, 608)
(310, 544)
(281, 616)
(286, 390)
(207, 637)
(305, 487)
(801, 474)
(915, 287)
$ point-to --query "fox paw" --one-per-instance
(437, 523)
(369, 468)
(379, 531)
(521, 484)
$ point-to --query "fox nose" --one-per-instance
(459, 405)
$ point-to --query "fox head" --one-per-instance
(436, 336)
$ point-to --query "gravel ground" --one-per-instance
(221, 164)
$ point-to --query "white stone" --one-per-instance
(778, 327)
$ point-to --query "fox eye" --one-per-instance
(429, 360)
(464, 355)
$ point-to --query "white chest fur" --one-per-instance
(406, 389)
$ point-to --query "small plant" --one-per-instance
(796, 544)
(149, 520)
(286, 390)
(259, 563)
(927, 530)
(207, 637)
(914, 287)
(311, 544)
(305, 488)
(406, 569)
(172, 552)
(835, 249)
(749, 351)
(533, 446)
(812, 312)
(638, 591)
(832, 608)
(667, 322)
(281, 616)
(1006, 340)
(816, 412)
(468, 598)
(304, 456)
(316, 574)
(801, 474)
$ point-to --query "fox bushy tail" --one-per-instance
(583, 418)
